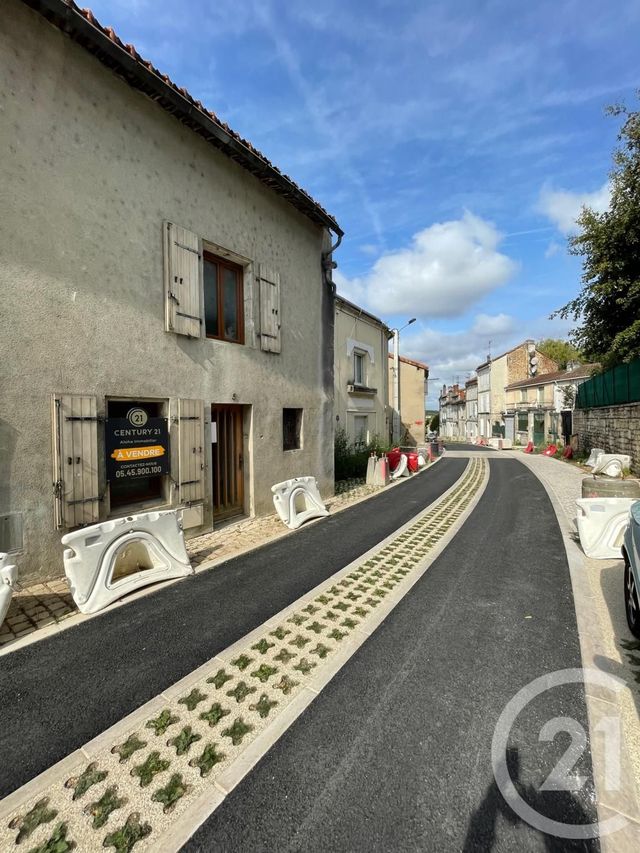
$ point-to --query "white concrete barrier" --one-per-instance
(285, 495)
(593, 456)
(601, 525)
(611, 464)
(8, 579)
(401, 469)
(105, 561)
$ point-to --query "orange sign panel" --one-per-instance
(131, 454)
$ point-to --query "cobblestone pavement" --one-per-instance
(43, 604)
(606, 586)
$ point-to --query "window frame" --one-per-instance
(361, 445)
(359, 358)
(222, 264)
(299, 421)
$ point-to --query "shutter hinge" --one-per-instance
(189, 316)
(189, 483)
(174, 297)
(86, 500)
(187, 248)
(189, 418)
(97, 418)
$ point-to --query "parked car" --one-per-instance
(631, 554)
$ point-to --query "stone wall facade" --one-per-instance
(616, 429)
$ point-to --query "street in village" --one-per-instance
(336, 689)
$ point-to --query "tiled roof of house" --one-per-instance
(361, 311)
(82, 26)
(419, 364)
(584, 371)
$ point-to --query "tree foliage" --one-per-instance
(562, 352)
(608, 306)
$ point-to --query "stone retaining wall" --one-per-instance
(614, 428)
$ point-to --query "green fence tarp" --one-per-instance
(619, 385)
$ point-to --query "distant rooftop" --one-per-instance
(584, 371)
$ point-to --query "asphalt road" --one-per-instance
(395, 753)
(57, 694)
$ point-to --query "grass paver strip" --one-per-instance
(331, 617)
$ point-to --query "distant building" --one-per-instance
(541, 407)
(471, 406)
(361, 378)
(495, 374)
(453, 412)
(413, 379)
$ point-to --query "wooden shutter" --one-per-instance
(269, 309)
(191, 450)
(182, 281)
(75, 460)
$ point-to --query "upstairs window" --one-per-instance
(223, 300)
(359, 375)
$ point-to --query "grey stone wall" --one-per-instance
(614, 428)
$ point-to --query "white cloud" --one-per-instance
(447, 268)
(563, 207)
(552, 249)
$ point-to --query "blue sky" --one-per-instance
(454, 142)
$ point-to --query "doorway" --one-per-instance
(227, 461)
(538, 428)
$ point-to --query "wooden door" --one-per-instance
(227, 450)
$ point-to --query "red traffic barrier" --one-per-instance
(567, 453)
(529, 448)
(550, 451)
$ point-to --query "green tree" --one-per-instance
(562, 352)
(435, 423)
(608, 306)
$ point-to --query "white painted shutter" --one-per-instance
(75, 460)
(269, 309)
(182, 281)
(191, 456)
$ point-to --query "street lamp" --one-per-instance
(396, 380)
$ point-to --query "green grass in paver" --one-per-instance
(89, 776)
(124, 838)
(102, 808)
(337, 635)
(353, 597)
(150, 768)
(262, 646)
(360, 611)
(237, 731)
(345, 583)
(341, 605)
(57, 842)
(323, 599)
(264, 672)
(241, 691)
(26, 824)
(242, 662)
(380, 592)
(193, 699)
(219, 679)
(183, 741)
(305, 666)
(208, 760)
(299, 641)
(173, 791)
(280, 632)
(215, 713)
(316, 627)
(321, 650)
(125, 750)
(286, 684)
(162, 722)
(348, 623)
(362, 587)
(369, 582)
(284, 655)
(297, 619)
(311, 609)
(372, 602)
(264, 705)
(335, 591)
(389, 584)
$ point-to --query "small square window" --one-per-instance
(291, 429)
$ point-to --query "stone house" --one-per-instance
(361, 392)
(453, 412)
(471, 409)
(168, 309)
(413, 387)
(495, 374)
(541, 407)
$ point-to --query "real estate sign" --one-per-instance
(136, 446)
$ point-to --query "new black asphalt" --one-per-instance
(59, 693)
(395, 752)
